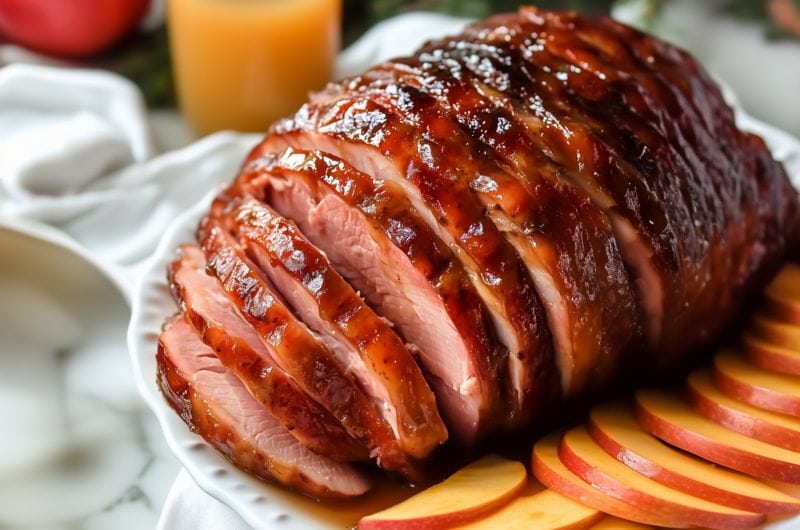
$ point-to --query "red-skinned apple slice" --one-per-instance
(554, 474)
(782, 295)
(771, 427)
(753, 385)
(468, 494)
(616, 431)
(673, 421)
(771, 356)
(590, 462)
(775, 331)
(539, 509)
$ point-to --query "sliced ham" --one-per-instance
(370, 232)
(362, 341)
(589, 302)
(375, 142)
(241, 350)
(297, 349)
(402, 270)
(216, 405)
(534, 210)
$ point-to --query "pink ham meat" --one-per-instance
(362, 343)
(297, 350)
(565, 242)
(216, 405)
(375, 141)
(242, 351)
(374, 238)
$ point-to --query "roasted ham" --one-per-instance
(215, 403)
(453, 244)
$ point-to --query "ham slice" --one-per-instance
(216, 405)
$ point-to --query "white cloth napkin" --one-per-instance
(77, 152)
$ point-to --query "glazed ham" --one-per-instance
(452, 244)
(217, 404)
(375, 239)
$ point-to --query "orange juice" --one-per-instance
(241, 64)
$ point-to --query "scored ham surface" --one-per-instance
(460, 241)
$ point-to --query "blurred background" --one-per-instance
(130, 37)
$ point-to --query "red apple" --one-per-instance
(590, 462)
(750, 384)
(614, 428)
(69, 28)
(673, 421)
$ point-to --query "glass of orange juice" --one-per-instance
(241, 64)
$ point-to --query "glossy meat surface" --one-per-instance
(363, 343)
(377, 142)
(215, 404)
(239, 347)
(566, 244)
(641, 122)
(370, 232)
(296, 348)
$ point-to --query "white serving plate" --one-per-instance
(260, 504)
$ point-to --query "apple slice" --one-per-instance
(673, 421)
(590, 462)
(614, 428)
(770, 356)
(610, 522)
(468, 494)
(540, 509)
(782, 295)
(771, 427)
(551, 472)
(775, 331)
(753, 385)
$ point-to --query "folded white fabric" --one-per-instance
(76, 153)
(190, 507)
